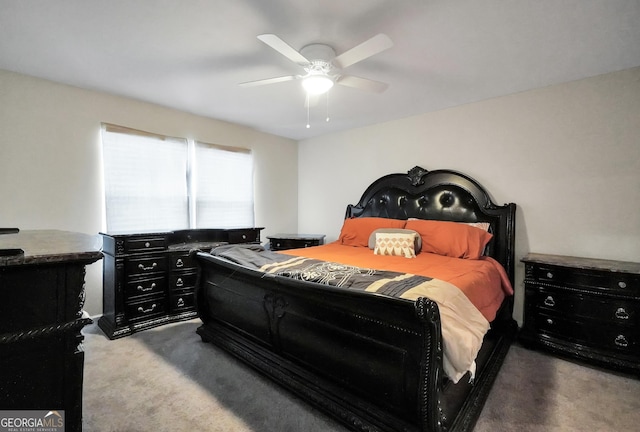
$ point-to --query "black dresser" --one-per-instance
(587, 309)
(41, 299)
(149, 278)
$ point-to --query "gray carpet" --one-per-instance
(166, 379)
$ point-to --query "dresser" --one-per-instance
(41, 299)
(587, 309)
(149, 278)
(294, 241)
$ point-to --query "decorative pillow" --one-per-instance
(482, 225)
(356, 231)
(417, 244)
(396, 244)
(452, 239)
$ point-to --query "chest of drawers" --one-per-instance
(588, 309)
(149, 278)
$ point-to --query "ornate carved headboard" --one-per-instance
(441, 195)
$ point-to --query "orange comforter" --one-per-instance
(483, 281)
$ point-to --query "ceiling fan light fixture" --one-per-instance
(317, 84)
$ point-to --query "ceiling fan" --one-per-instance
(323, 68)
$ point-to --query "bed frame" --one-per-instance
(374, 363)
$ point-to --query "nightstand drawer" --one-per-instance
(146, 286)
(584, 278)
(605, 337)
(279, 244)
(606, 309)
(294, 241)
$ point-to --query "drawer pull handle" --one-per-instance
(622, 284)
(549, 301)
(549, 321)
(151, 267)
(179, 263)
(621, 341)
(143, 289)
(180, 302)
(179, 282)
(141, 309)
(622, 314)
(550, 275)
(244, 236)
(147, 244)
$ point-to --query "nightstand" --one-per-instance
(587, 309)
(294, 241)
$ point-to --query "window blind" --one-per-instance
(159, 183)
(223, 186)
(145, 180)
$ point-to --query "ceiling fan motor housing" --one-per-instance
(320, 57)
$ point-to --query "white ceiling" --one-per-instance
(191, 55)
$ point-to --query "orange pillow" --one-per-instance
(356, 231)
(450, 238)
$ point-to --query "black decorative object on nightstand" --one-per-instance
(294, 241)
(587, 309)
(149, 278)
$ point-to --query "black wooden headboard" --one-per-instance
(441, 195)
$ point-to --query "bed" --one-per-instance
(378, 349)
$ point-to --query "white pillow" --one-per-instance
(418, 242)
(396, 244)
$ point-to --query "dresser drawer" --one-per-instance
(182, 261)
(584, 278)
(179, 281)
(141, 310)
(610, 310)
(600, 336)
(244, 236)
(144, 244)
(144, 265)
(181, 301)
(147, 286)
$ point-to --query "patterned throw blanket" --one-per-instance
(389, 283)
(463, 326)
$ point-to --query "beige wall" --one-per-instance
(50, 174)
(568, 155)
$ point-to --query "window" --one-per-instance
(158, 183)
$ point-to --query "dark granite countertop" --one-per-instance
(48, 246)
(584, 263)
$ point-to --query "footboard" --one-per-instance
(372, 362)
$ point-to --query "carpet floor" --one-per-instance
(166, 379)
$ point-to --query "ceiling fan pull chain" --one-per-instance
(327, 119)
(308, 124)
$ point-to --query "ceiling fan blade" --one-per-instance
(362, 83)
(366, 49)
(268, 81)
(283, 48)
